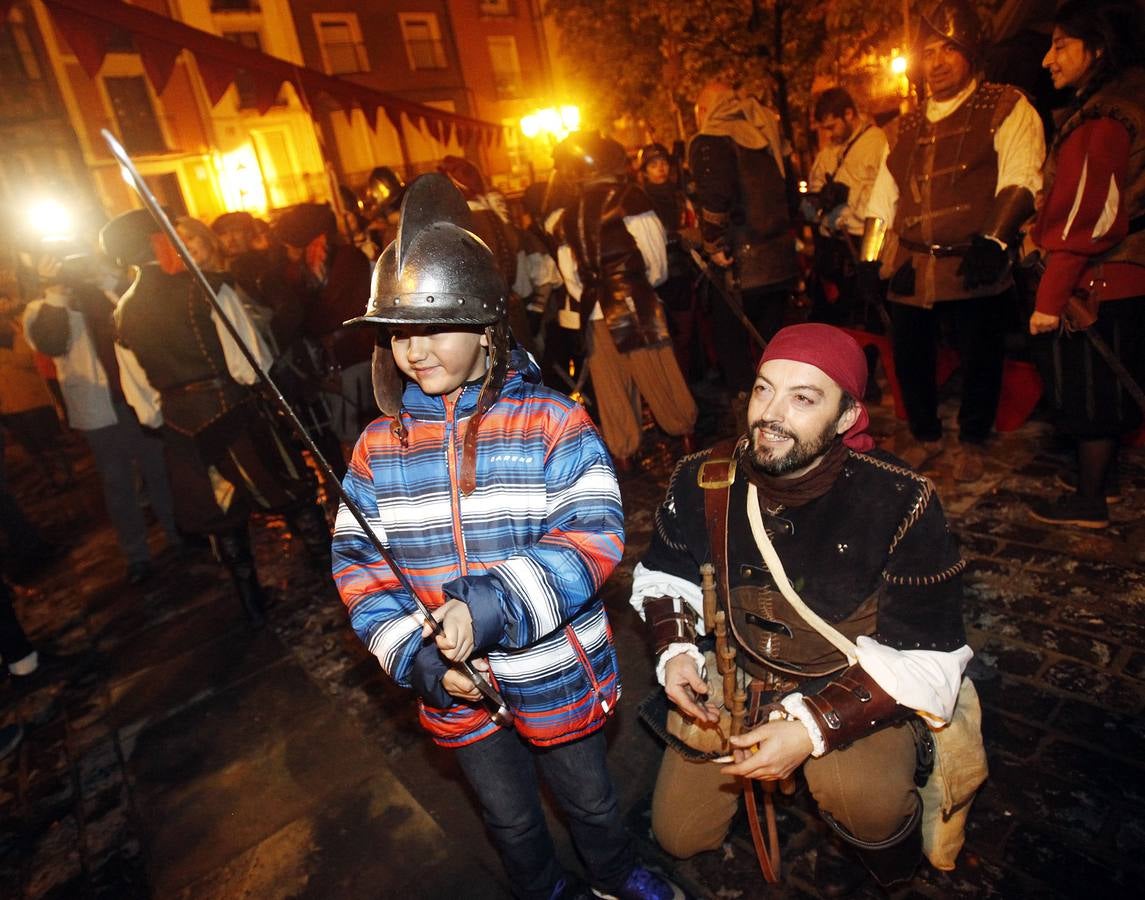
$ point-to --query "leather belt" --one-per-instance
(936, 250)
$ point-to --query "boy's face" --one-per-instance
(440, 358)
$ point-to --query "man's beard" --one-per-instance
(802, 453)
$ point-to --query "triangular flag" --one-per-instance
(158, 59)
(87, 36)
(217, 75)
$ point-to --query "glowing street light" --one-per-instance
(50, 220)
(898, 65)
(556, 122)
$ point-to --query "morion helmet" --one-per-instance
(650, 152)
(383, 190)
(584, 155)
(438, 272)
(955, 20)
(128, 239)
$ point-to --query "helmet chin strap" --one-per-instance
(500, 343)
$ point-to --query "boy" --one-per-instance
(497, 497)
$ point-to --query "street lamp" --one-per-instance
(554, 122)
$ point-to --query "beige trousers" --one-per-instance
(868, 788)
(619, 380)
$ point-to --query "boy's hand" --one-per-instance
(685, 687)
(457, 683)
(456, 640)
(783, 747)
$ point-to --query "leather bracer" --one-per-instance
(671, 621)
(1011, 207)
(851, 706)
(874, 236)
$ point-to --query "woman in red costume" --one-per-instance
(1091, 229)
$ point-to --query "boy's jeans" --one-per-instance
(503, 771)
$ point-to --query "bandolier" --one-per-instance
(947, 173)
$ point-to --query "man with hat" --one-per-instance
(498, 497)
(959, 178)
(184, 374)
(865, 541)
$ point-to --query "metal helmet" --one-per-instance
(584, 155)
(956, 21)
(651, 152)
(438, 272)
(127, 239)
(384, 189)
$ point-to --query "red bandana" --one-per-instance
(838, 356)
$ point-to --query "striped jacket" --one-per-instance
(542, 532)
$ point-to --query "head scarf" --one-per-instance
(838, 356)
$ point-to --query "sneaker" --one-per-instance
(642, 884)
(919, 453)
(1068, 481)
(969, 464)
(1070, 509)
(10, 737)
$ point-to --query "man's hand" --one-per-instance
(783, 747)
(456, 640)
(721, 259)
(685, 687)
(984, 263)
(1041, 322)
(459, 685)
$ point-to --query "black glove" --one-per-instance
(429, 667)
(984, 263)
(832, 194)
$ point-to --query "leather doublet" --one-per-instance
(946, 173)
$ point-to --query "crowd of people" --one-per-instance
(490, 364)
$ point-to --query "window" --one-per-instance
(340, 40)
(17, 58)
(234, 6)
(506, 66)
(422, 38)
(244, 83)
(135, 114)
(494, 7)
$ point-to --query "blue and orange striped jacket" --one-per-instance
(545, 522)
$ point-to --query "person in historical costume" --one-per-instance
(737, 160)
(958, 181)
(613, 253)
(864, 540)
(183, 373)
(1091, 227)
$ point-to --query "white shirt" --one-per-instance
(1019, 142)
(142, 395)
(858, 170)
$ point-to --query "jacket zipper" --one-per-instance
(587, 667)
(451, 466)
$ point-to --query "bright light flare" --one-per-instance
(553, 121)
(898, 65)
(50, 220)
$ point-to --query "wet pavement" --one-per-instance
(174, 753)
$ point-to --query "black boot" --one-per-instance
(232, 549)
(309, 524)
(895, 863)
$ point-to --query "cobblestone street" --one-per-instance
(173, 753)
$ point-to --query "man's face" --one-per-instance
(657, 171)
(838, 129)
(793, 417)
(945, 68)
(440, 358)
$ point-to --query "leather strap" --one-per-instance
(717, 483)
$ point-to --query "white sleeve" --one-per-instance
(648, 232)
(869, 154)
(652, 583)
(543, 271)
(884, 195)
(237, 363)
(818, 175)
(137, 390)
(567, 263)
(926, 681)
(522, 283)
(1021, 147)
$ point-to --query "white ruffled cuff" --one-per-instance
(797, 709)
(674, 650)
